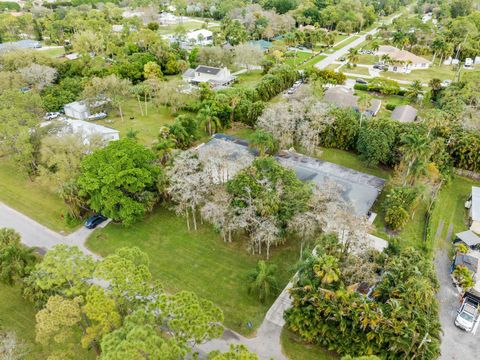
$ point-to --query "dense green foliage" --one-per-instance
(120, 180)
(398, 320)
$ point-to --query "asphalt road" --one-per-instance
(456, 344)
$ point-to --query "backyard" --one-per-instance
(296, 349)
(198, 261)
(443, 72)
(248, 79)
(146, 126)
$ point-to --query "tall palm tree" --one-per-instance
(414, 90)
(206, 118)
(352, 56)
(416, 153)
(263, 141)
(262, 281)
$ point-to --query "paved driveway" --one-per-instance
(456, 344)
(36, 235)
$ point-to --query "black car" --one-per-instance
(94, 220)
(361, 81)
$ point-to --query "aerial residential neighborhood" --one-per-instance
(240, 180)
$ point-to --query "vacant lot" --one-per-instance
(249, 79)
(443, 72)
(198, 261)
(31, 198)
(145, 126)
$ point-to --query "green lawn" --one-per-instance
(188, 26)
(386, 99)
(297, 58)
(312, 62)
(147, 126)
(332, 67)
(296, 349)
(18, 315)
(367, 59)
(443, 72)
(249, 79)
(352, 161)
(346, 42)
(198, 261)
(359, 70)
(55, 52)
(450, 207)
(31, 199)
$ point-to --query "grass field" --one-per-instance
(31, 199)
(249, 79)
(18, 315)
(358, 70)
(443, 72)
(450, 207)
(367, 59)
(295, 349)
(147, 126)
(297, 58)
(55, 52)
(198, 261)
(312, 62)
(345, 43)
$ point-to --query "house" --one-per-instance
(85, 129)
(473, 204)
(207, 74)
(402, 60)
(19, 45)
(375, 106)
(470, 262)
(77, 110)
(166, 18)
(341, 96)
(468, 63)
(469, 238)
(201, 37)
(404, 113)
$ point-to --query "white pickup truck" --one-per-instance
(468, 314)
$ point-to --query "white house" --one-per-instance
(208, 74)
(201, 37)
(402, 60)
(85, 129)
(474, 209)
(77, 110)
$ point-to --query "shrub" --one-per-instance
(398, 204)
(363, 87)
(390, 107)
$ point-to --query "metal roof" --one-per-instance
(468, 237)
(404, 113)
(470, 262)
(207, 70)
(475, 203)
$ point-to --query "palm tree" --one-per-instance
(262, 281)
(326, 269)
(416, 153)
(463, 276)
(414, 90)
(263, 141)
(206, 118)
(435, 86)
(352, 56)
(375, 46)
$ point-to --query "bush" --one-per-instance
(363, 87)
(398, 204)
(390, 107)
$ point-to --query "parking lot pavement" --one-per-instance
(456, 344)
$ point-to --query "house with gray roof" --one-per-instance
(208, 74)
(19, 45)
(341, 96)
(404, 113)
(469, 238)
(474, 209)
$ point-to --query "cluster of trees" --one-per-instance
(111, 306)
(398, 319)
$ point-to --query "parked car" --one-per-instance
(94, 220)
(468, 313)
(51, 115)
(342, 58)
(361, 81)
(98, 116)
